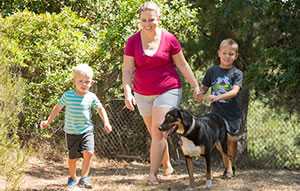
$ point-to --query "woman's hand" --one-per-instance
(196, 92)
(199, 93)
(130, 102)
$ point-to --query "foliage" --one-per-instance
(277, 69)
(42, 49)
(267, 32)
(9, 7)
(12, 158)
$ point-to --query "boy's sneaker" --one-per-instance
(71, 182)
(85, 182)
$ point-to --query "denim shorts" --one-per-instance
(170, 98)
(78, 143)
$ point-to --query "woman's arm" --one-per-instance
(186, 71)
(128, 70)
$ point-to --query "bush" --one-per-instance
(12, 158)
(43, 49)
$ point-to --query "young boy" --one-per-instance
(78, 125)
(225, 81)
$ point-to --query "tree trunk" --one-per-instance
(244, 98)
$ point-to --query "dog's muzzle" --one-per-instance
(169, 130)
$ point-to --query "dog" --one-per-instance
(199, 135)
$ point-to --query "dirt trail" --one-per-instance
(111, 175)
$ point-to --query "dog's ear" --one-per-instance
(185, 117)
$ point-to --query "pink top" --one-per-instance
(154, 74)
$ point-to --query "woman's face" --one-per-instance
(149, 20)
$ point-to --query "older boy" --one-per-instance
(225, 81)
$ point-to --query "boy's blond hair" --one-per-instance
(149, 5)
(82, 69)
(230, 42)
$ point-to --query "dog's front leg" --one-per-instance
(208, 171)
(189, 166)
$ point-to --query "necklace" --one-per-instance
(151, 44)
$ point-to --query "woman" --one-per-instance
(151, 57)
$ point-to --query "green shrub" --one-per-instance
(43, 49)
(12, 158)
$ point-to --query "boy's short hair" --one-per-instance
(229, 42)
(149, 5)
(82, 69)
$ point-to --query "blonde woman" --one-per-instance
(151, 59)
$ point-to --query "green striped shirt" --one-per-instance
(78, 111)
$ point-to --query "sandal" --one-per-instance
(152, 181)
(168, 171)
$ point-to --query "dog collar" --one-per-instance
(191, 127)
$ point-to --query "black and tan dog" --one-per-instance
(199, 137)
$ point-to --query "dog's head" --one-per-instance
(177, 120)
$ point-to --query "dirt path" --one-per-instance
(112, 175)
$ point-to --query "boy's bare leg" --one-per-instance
(232, 149)
(87, 156)
(72, 168)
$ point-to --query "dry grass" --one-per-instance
(112, 175)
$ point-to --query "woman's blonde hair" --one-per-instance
(149, 5)
(82, 69)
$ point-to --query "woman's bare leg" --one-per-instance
(166, 157)
(158, 142)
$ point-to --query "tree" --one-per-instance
(267, 32)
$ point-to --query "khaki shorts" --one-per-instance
(170, 98)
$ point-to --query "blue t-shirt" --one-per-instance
(221, 81)
(78, 111)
